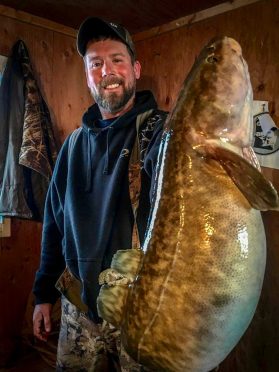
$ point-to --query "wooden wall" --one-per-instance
(165, 59)
(60, 74)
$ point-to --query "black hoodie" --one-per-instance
(88, 214)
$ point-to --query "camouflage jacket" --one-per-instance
(27, 146)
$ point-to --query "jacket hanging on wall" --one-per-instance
(27, 147)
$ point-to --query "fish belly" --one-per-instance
(202, 273)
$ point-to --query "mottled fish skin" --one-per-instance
(196, 293)
(203, 268)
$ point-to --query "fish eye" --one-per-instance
(211, 59)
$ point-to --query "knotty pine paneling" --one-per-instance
(166, 59)
(60, 75)
(69, 84)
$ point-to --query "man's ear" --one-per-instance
(137, 69)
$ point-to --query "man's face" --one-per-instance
(111, 76)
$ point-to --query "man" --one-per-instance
(99, 197)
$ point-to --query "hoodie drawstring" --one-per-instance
(89, 165)
(106, 167)
(88, 185)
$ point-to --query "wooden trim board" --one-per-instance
(36, 21)
(180, 22)
(193, 18)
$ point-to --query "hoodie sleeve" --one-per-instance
(52, 261)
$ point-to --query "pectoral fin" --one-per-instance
(259, 192)
(251, 157)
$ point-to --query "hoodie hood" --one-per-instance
(144, 101)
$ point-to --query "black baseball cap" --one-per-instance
(93, 27)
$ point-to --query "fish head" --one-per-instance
(216, 100)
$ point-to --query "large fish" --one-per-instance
(196, 288)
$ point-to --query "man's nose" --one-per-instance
(107, 69)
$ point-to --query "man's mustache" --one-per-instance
(110, 80)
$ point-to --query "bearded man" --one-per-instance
(98, 201)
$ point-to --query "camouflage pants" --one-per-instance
(85, 346)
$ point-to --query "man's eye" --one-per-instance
(117, 60)
(95, 64)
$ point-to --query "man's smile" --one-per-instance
(112, 86)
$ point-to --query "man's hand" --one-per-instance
(42, 321)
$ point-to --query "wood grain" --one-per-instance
(60, 76)
(166, 59)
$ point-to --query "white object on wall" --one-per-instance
(266, 136)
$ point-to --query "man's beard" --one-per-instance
(113, 102)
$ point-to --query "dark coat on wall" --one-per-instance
(27, 146)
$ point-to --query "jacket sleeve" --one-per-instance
(52, 261)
